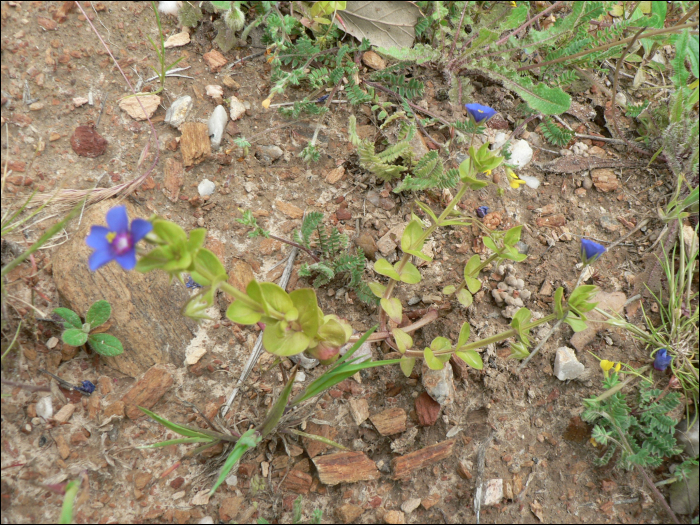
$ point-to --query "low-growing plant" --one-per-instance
(162, 70)
(77, 333)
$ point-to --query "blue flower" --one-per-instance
(662, 360)
(482, 211)
(479, 112)
(87, 387)
(590, 251)
(118, 242)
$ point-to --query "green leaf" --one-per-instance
(277, 411)
(454, 223)
(206, 267)
(463, 334)
(168, 232)
(407, 364)
(512, 236)
(488, 242)
(248, 440)
(471, 268)
(432, 361)
(577, 324)
(420, 255)
(403, 340)
(377, 289)
(449, 290)
(183, 430)
(474, 285)
(275, 298)
(72, 488)
(105, 344)
(240, 313)
(558, 308)
(411, 236)
(440, 343)
(305, 301)
(427, 210)
(465, 298)
(472, 358)
(383, 267)
(393, 309)
(578, 299)
(74, 337)
(409, 274)
(332, 332)
(98, 313)
(73, 319)
(283, 342)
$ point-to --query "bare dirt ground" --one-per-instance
(537, 445)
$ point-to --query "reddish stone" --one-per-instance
(177, 483)
(343, 214)
(86, 142)
(427, 409)
(147, 391)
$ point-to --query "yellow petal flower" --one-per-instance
(618, 366)
(514, 181)
(606, 365)
(488, 172)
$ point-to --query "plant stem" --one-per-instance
(296, 245)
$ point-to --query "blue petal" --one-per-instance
(139, 229)
(99, 258)
(127, 260)
(97, 238)
(591, 250)
(118, 220)
(479, 112)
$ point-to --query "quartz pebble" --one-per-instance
(206, 187)
(237, 108)
(566, 366)
(178, 111)
(217, 124)
(44, 407)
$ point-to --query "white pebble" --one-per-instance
(44, 407)
(206, 187)
(217, 124)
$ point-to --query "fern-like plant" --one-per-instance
(335, 258)
(380, 164)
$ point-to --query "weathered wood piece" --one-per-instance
(345, 467)
(145, 307)
(298, 482)
(194, 143)
(390, 421)
(405, 466)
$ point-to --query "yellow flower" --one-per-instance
(609, 365)
(618, 366)
(514, 181)
(488, 172)
(514, 4)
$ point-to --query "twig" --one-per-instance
(26, 386)
(480, 465)
(257, 349)
(104, 101)
(249, 57)
(601, 139)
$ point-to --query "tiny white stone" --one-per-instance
(206, 187)
(217, 124)
(530, 182)
(237, 108)
(520, 154)
(214, 91)
(169, 8)
(44, 407)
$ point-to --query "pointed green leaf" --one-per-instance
(472, 358)
(471, 268)
(72, 319)
(98, 313)
(465, 298)
(384, 267)
(205, 262)
(463, 334)
(411, 236)
(377, 289)
(284, 342)
(427, 210)
(407, 364)
(74, 337)
(106, 344)
(420, 255)
(409, 274)
(488, 242)
(332, 332)
(277, 411)
(577, 324)
(276, 298)
(248, 440)
(453, 222)
(393, 309)
(512, 236)
(403, 340)
(558, 308)
(449, 290)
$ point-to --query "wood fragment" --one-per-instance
(194, 143)
(174, 178)
(345, 467)
(405, 466)
(298, 482)
(390, 421)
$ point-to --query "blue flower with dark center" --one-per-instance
(480, 113)
(662, 360)
(482, 211)
(118, 241)
(590, 251)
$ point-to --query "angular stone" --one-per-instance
(348, 513)
(551, 221)
(298, 482)
(373, 60)
(394, 516)
(65, 413)
(194, 143)
(493, 492)
(87, 142)
(604, 179)
(390, 421)
(215, 60)
(268, 154)
(173, 179)
(410, 505)
(178, 111)
(177, 40)
(237, 108)
(359, 409)
(131, 105)
(391, 239)
(439, 384)
(345, 467)
(146, 314)
(566, 366)
(229, 508)
(430, 501)
(147, 391)
(343, 214)
(62, 445)
(335, 175)
(240, 275)
(406, 466)
(313, 446)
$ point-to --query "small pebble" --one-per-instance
(206, 187)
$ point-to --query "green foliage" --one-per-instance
(336, 258)
(380, 164)
(554, 134)
(640, 429)
(252, 222)
(77, 333)
(429, 173)
(160, 53)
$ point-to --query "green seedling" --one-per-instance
(77, 333)
(160, 53)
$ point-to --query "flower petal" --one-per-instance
(97, 238)
(139, 229)
(127, 260)
(591, 250)
(99, 258)
(480, 113)
(118, 220)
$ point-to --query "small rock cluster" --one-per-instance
(511, 291)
